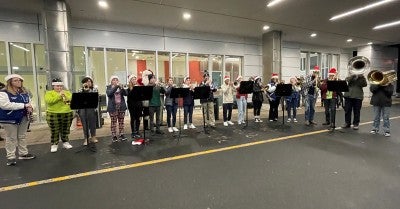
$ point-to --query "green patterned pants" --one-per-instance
(59, 124)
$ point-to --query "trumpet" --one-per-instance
(85, 87)
(65, 100)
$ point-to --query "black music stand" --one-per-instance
(336, 86)
(246, 87)
(85, 101)
(202, 92)
(179, 93)
(283, 90)
(141, 93)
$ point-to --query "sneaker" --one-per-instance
(355, 127)
(11, 162)
(175, 129)
(387, 134)
(170, 130)
(239, 122)
(289, 120)
(136, 135)
(225, 123)
(192, 126)
(67, 145)
(114, 139)
(54, 148)
(373, 132)
(230, 122)
(313, 123)
(295, 120)
(307, 123)
(122, 137)
(27, 157)
(159, 132)
(84, 142)
(185, 127)
(94, 139)
(259, 120)
(346, 125)
(271, 120)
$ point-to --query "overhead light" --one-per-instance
(369, 6)
(273, 2)
(349, 40)
(386, 25)
(19, 47)
(313, 35)
(103, 4)
(265, 27)
(186, 15)
(15, 68)
(369, 43)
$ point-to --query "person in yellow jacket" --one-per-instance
(58, 114)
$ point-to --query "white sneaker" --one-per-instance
(259, 120)
(175, 129)
(67, 145)
(239, 122)
(289, 120)
(295, 120)
(54, 148)
(170, 130)
(225, 123)
(230, 123)
(192, 126)
(185, 127)
(85, 142)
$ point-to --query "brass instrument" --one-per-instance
(382, 78)
(85, 87)
(65, 100)
(358, 65)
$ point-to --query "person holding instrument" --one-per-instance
(88, 116)
(310, 93)
(171, 105)
(257, 98)
(188, 104)
(135, 107)
(116, 107)
(227, 100)
(58, 114)
(241, 100)
(274, 100)
(208, 104)
(329, 98)
(381, 101)
(353, 99)
(291, 101)
(155, 105)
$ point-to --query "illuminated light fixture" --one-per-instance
(273, 2)
(103, 4)
(386, 25)
(265, 27)
(187, 16)
(15, 68)
(349, 40)
(369, 43)
(313, 35)
(369, 6)
(19, 47)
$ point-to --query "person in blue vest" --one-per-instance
(15, 109)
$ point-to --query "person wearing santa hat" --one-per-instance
(257, 98)
(274, 99)
(15, 108)
(292, 100)
(155, 105)
(329, 99)
(208, 103)
(58, 114)
(188, 104)
(309, 90)
(241, 101)
(227, 100)
(116, 107)
(135, 107)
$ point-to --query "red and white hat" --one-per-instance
(226, 78)
(113, 77)
(187, 77)
(316, 68)
(332, 71)
(131, 76)
(239, 77)
(274, 75)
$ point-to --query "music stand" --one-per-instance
(202, 92)
(179, 93)
(85, 101)
(283, 90)
(141, 93)
(336, 86)
(246, 87)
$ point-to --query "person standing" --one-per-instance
(329, 99)
(241, 101)
(381, 101)
(15, 108)
(188, 105)
(227, 100)
(353, 99)
(274, 99)
(208, 103)
(88, 116)
(58, 114)
(292, 100)
(171, 105)
(310, 93)
(257, 98)
(116, 107)
(155, 105)
(135, 107)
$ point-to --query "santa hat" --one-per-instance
(140, 82)
(130, 77)
(8, 77)
(332, 71)
(274, 75)
(145, 76)
(226, 78)
(239, 77)
(316, 68)
(113, 77)
(57, 82)
(187, 77)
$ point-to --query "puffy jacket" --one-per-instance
(381, 95)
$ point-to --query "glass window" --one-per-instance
(233, 67)
(21, 57)
(198, 64)
(217, 70)
(96, 68)
(314, 60)
(116, 64)
(79, 69)
(163, 66)
(3, 60)
(324, 66)
(178, 67)
(138, 61)
(41, 77)
(303, 61)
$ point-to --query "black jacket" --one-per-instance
(381, 95)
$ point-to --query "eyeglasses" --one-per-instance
(16, 80)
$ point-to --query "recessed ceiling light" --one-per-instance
(103, 4)
(349, 40)
(187, 16)
(386, 25)
(369, 43)
(273, 2)
(265, 27)
(369, 6)
(313, 35)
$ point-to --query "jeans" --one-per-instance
(208, 113)
(171, 111)
(309, 105)
(242, 108)
(227, 111)
(352, 104)
(291, 104)
(385, 112)
(187, 111)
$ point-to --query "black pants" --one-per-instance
(273, 109)
(227, 111)
(352, 105)
(257, 107)
(135, 114)
(330, 111)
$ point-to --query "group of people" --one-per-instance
(16, 106)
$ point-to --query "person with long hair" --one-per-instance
(135, 107)
(188, 105)
(59, 114)
(116, 107)
(274, 99)
(88, 116)
(241, 101)
(208, 103)
(227, 100)
(171, 105)
(15, 107)
(292, 100)
(257, 98)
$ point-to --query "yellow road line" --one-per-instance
(152, 162)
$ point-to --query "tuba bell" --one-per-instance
(358, 65)
(382, 78)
